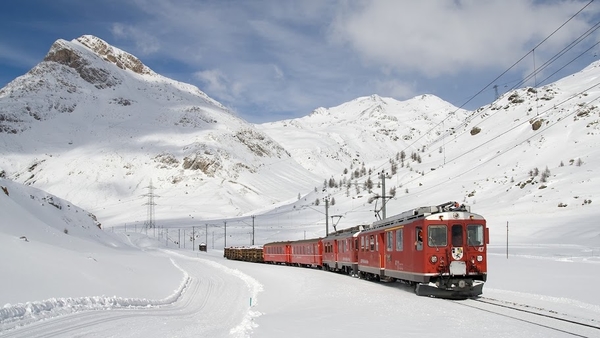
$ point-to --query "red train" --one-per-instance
(439, 249)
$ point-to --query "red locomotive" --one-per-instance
(439, 249)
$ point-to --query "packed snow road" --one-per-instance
(209, 306)
(225, 298)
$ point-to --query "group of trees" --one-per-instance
(358, 172)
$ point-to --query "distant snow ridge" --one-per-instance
(21, 314)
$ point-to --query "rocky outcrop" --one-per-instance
(114, 55)
(63, 54)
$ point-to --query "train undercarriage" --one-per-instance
(450, 288)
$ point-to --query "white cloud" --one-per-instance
(440, 37)
(144, 42)
(394, 88)
(215, 81)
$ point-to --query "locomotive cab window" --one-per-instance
(437, 235)
(475, 234)
(372, 242)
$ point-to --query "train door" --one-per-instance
(417, 258)
(457, 240)
(382, 249)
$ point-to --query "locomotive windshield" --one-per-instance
(457, 235)
(438, 235)
(475, 234)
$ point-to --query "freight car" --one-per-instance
(441, 250)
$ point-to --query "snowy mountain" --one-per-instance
(93, 125)
(364, 130)
(92, 120)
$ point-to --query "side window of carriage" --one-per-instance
(389, 240)
(399, 240)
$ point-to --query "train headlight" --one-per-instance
(479, 258)
(433, 259)
(462, 283)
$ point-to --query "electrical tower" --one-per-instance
(149, 223)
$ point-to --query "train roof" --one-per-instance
(422, 212)
(348, 232)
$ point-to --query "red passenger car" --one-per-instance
(308, 252)
(441, 249)
(277, 253)
(340, 251)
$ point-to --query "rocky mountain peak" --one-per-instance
(114, 55)
(67, 53)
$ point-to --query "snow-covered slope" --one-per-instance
(92, 120)
(47, 240)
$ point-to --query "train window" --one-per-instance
(419, 238)
(390, 240)
(457, 235)
(372, 243)
(355, 244)
(437, 235)
(475, 234)
(399, 240)
(362, 243)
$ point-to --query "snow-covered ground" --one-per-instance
(133, 283)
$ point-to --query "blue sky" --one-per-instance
(273, 60)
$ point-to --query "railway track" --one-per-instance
(550, 319)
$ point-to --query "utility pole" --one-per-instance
(253, 229)
(496, 89)
(225, 237)
(326, 216)
(193, 238)
(383, 193)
